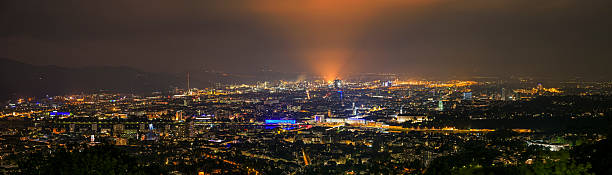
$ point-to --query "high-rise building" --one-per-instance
(118, 129)
(319, 118)
(178, 116)
(387, 83)
(142, 127)
(467, 96)
(337, 83)
(440, 105)
(191, 129)
(540, 89)
(218, 85)
(354, 109)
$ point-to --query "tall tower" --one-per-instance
(503, 94)
(188, 86)
(440, 106)
(354, 109)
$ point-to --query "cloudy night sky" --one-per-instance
(328, 38)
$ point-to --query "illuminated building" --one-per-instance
(410, 118)
(355, 121)
(335, 120)
(467, 96)
(178, 116)
(319, 118)
(118, 129)
(503, 94)
(280, 121)
(354, 109)
(191, 129)
(337, 83)
(120, 141)
(387, 83)
(550, 146)
(55, 113)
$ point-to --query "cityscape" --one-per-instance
(317, 127)
(305, 87)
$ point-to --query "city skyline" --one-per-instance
(278, 87)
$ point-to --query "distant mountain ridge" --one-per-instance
(26, 80)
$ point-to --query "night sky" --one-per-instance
(325, 37)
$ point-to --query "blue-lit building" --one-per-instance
(467, 96)
(280, 122)
(55, 113)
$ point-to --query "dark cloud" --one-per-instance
(550, 38)
(500, 37)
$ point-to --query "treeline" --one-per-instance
(478, 158)
(93, 160)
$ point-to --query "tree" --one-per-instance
(95, 160)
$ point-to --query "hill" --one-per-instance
(21, 79)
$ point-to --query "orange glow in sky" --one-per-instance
(325, 31)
